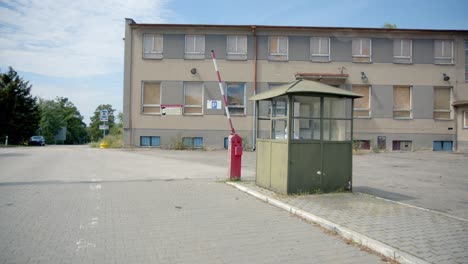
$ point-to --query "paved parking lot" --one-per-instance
(82, 205)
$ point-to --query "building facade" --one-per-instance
(414, 82)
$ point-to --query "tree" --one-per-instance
(59, 113)
(94, 131)
(388, 25)
(19, 111)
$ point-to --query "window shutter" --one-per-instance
(283, 45)
(231, 44)
(356, 46)
(147, 43)
(406, 47)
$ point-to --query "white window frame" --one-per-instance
(360, 55)
(244, 106)
(466, 60)
(465, 124)
(444, 57)
(450, 103)
(153, 54)
(236, 38)
(277, 54)
(410, 57)
(365, 109)
(320, 55)
(150, 105)
(410, 104)
(195, 54)
(202, 100)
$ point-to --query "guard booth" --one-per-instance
(304, 138)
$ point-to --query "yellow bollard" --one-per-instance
(103, 145)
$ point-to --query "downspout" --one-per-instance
(130, 123)
(254, 118)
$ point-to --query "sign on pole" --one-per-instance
(103, 127)
(104, 116)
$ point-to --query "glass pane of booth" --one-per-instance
(336, 130)
(264, 127)
(306, 106)
(279, 105)
(336, 107)
(264, 109)
(279, 130)
(306, 128)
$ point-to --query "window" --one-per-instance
(402, 102)
(362, 50)
(442, 145)
(237, 47)
(402, 145)
(442, 103)
(151, 98)
(194, 47)
(465, 119)
(466, 61)
(192, 142)
(362, 105)
(402, 50)
(235, 93)
(443, 51)
(277, 48)
(193, 98)
(149, 141)
(320, 49)
(362, 144)
(152, 46)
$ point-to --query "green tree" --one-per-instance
(94, 132)
(19, 111)
(388, 25)
(60, 113)
(117, 129)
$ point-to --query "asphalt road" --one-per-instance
(61, 204)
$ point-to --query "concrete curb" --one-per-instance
(382, 248)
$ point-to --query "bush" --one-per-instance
(114, 141)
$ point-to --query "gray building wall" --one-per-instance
(419, 141)
(382, 101)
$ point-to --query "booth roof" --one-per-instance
(304, 87)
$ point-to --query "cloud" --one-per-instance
(70, 38)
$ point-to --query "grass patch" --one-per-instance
(114, 141)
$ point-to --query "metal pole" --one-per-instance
(6, 141)
(222, 92)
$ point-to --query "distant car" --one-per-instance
(36, 141)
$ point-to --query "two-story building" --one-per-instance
(413, 81)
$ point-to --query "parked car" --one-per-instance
(36, 141)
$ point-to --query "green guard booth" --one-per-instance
(304, 138)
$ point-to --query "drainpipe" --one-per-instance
(254, 118)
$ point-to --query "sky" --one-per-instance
(75, 49)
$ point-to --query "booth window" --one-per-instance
(362, 50)
(442, 103)
(279, 117)
(402, 102)
(336, 119)
(235, 93)
(278, 48)
(194, 47)
(306, 121)
(236, 47)
(151, 98)
(320, 49)
(465, 119)
(193, 98)
(362, 105)
(152, 46)
(402, 50)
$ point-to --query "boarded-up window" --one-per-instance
(362, 50)
(320, 49)
(235, 93)
(442, 103)
(277, 48)
(402, 50)
(402, 102)
(151, 98)
(194, 47)
(362, 105)
(443, 51)
(237, 47)
(152, 46)
(465, 119)
(193, 98)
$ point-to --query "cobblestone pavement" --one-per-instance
(430, 236)
(49, 215)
